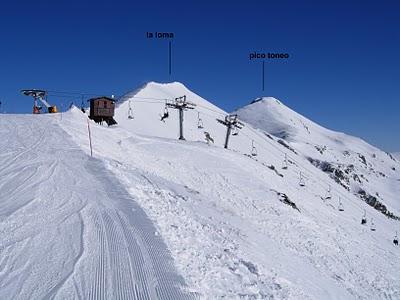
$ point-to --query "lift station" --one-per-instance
(39, 96)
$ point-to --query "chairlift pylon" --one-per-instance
(253, 149)
(39, 96)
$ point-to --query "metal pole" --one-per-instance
(228, 133)
(90, 138)
(34, 103)
(181, 123)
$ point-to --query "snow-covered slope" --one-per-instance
(235, 225)
(68, 228)
(359, 167)
(396, 155)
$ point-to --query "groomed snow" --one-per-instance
(69, 229)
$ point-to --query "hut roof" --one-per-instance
(102, 98)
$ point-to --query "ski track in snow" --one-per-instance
(68, 228)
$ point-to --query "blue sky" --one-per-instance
(343, 71)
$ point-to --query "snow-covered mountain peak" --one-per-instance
(266, 100)
(151, 85)
(165, 92)
(149, 103)
(358, 166)
(272, 115)
(165, 87)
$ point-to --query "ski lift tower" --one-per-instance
(231, 121)
(181, 104)
(39, 95)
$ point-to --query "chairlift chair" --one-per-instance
(199, 121)
(285, 164)
(253, 149)
(328, 194)
(373, 228)
(235, 131)
(301, 181)
(165, 115)
(364, 218)
(130, 112)
(340, 207)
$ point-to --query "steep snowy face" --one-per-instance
(359, 167)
